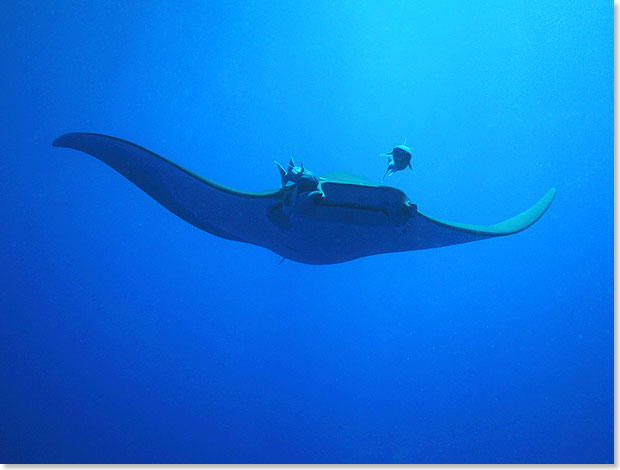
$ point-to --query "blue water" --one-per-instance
(128, 335)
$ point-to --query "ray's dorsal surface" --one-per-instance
(352, 218)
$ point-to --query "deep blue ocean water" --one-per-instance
(128, 335)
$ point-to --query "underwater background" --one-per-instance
(128, 335)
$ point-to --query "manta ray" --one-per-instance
(310, 219)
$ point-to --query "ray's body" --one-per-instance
(349, 219)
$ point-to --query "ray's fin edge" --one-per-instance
(510, 226)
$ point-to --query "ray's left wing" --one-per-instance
(215, 208)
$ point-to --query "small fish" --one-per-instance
(399, 159)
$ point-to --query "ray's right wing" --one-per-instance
(429, 232)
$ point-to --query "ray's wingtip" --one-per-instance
(72, 138)
(60, 141)
(550, 196)
(543, 204)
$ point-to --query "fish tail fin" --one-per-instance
(282, 173)
(386, 174)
